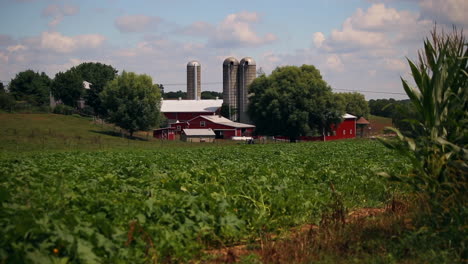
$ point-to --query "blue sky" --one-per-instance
(356, 44)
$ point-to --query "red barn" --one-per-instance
(344, 130)
(223, 127)
(184, 110)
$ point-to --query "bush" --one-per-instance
(63, 110)
(7, 102)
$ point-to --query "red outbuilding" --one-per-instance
(167, 133)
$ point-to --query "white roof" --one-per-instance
(190, 106)
(199, 132)
(224, 121)
(348, 116)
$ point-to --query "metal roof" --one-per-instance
(191, 106)
(224, 121)
(348, 116)
(193, 63)
(231, 60)
(248, 61)
(199, 132)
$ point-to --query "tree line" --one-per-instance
(291, 101)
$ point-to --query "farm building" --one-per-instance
(198, 135)
(184, 110)
(167, 133)
(344, 130)
(223, 127)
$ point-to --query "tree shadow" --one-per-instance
(118, 134)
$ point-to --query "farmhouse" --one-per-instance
(197, 135)
(222, 127)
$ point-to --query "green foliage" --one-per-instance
(211, 95)
(68, 87)
(7, 101)
(437, 144)
(175, 95)
(99, 75)
(353, 103)
(169, 205)
(31, 87)
(132, 102)
(63, 110)
(292, 101)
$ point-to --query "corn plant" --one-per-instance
(437, 142)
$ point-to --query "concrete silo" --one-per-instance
(230, 86)
(193, 80)
(247, 73)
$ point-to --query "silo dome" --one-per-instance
(193, 63)
(248, 61)
(231, 61)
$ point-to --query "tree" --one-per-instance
(2, 88)
(132, 102)
(98, 75)
(211, 95)
(175, 95)
(352, 103)
(292, 101)
(68, 87)
(32, 87)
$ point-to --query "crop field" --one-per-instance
(172, 204)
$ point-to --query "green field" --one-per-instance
(170, 204)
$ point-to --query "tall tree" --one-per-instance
(32, 87)
(2, 88)
(98, 75)
(292, 101)
(132, 102)
(211, 95)
(68, 87)
(352, 103)
(175, 95)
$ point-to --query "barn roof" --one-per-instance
(348, 116)
(362, 121)
(191, 106)
(224, 121)
(199, 132)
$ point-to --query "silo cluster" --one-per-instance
(237, 76)
(193, 80)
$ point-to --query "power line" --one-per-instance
(348, 90)
(363, 91)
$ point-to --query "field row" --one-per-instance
(170, 204)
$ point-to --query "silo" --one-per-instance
(230, 86)
(193, 80)
(247, 73)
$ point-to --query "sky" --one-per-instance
(358, 45)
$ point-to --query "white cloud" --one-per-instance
(446, 11)
(318, 39)
(3, 57)
(57, 12)
(14, 48)
(334, 63)
(63, 44)
(381, 18)
(137, 23)
(236, 30)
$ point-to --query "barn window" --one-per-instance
(202, 124)
(334, 133)
(328, 134)
(178, 128)
(344, 132)
(350, 131)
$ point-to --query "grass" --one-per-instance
(378, 124)
(52, 132)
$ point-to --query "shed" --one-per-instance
(198, 135)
